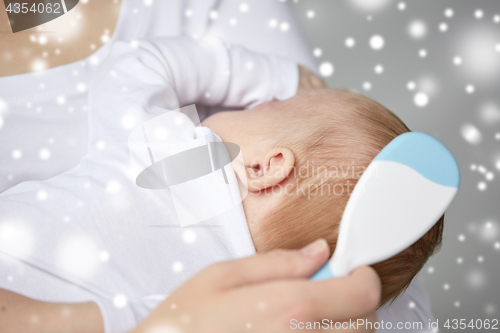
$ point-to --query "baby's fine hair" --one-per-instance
(336, 135)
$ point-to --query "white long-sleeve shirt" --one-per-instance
(92, 226)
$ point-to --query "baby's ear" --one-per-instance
(274, 168)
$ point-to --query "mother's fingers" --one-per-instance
(276, 306)
(356, 294)
(352, 296)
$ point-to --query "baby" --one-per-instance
(303, 157)
(92, 234)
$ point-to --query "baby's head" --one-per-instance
(303, 157)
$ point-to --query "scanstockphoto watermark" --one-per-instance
(327, 324)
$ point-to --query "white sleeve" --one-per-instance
(167, 73)
(208, 71)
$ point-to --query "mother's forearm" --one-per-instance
(23, 314)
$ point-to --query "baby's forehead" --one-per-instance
(319, 96)
(321, 99)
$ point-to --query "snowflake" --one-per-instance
(17, 154)
(120, 301)
(443, 27)
(244, 7)
(350, 42)
(326, 69)
(411, 85)
(44, 154)
(189, 236)
(42, 195)
(113, 187)
(284, 26)
(377, 42)
(421, 99)
(471, 134)
(177, 267)
(417, 29)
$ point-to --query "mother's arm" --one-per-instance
(270, 292)
(22, 314)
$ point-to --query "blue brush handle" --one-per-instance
(324, 273)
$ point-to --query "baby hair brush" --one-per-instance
(400, 196)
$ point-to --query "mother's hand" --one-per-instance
(266, 293)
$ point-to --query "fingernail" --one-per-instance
(315, 248)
